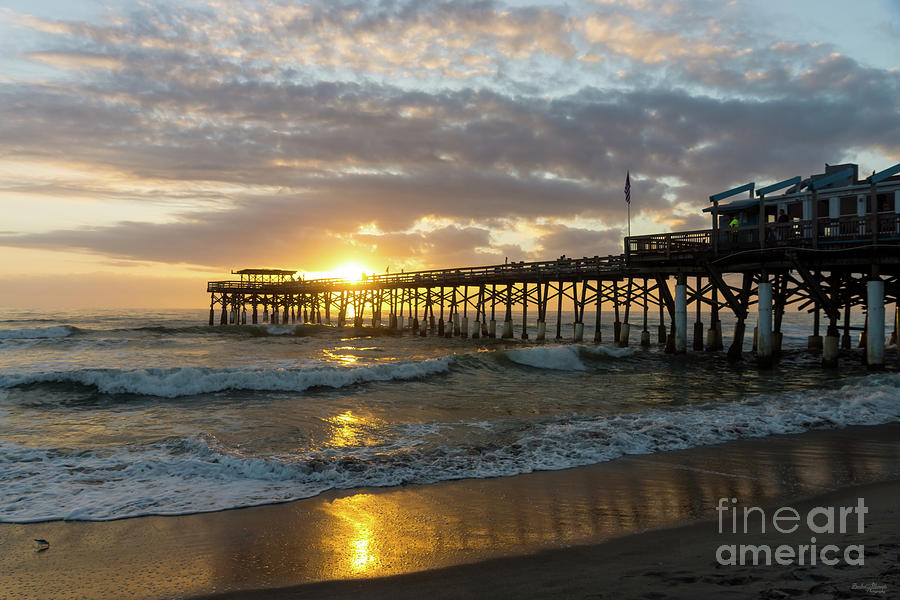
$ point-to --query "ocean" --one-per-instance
(114, 414)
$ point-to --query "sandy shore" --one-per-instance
(636, 527)
(668, 563)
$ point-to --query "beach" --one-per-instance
(638, 526)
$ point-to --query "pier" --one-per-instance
(824, 244)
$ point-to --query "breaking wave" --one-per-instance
(197, 474)
(56, 331)
(563, 358)
(191, 381)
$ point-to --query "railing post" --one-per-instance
(815, 218)
(762, 221)
(874, 214)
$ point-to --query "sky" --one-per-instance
(147, 147)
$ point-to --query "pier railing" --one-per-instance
(822, 232)
(561, 269)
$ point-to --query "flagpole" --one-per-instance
(629, 219)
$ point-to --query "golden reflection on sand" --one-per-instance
(353, 532)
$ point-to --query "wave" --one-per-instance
(246, 330)
(563, 358)
(56, 331)
(191, 381)
(186, 475)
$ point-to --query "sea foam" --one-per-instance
(563, 358)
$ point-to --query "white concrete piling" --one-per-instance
(875, 332)
(579, 332)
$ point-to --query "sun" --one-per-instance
(349, 271)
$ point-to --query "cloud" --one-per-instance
(276, 131)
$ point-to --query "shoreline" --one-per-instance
(416, 533)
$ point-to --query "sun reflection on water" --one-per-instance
(341, 359)
(350, 430)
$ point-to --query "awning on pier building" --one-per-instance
(265, 275)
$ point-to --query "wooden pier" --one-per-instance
(829, 243)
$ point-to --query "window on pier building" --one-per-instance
(822, 209)
(848, 205)
(795, 210)
(885, 202)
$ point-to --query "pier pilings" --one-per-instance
(827, 285)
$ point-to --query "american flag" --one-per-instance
(628, 187)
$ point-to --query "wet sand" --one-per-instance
(598, 531)
(668, 563)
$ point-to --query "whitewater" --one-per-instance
(113, 415)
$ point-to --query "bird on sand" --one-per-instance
(42, 545)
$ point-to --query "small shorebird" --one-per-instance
(42, 545)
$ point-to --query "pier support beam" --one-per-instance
(830, 347)
(507, 323)
(764, 352)
(624, 333)
(698, 324)
(559, 312)
(680, 316)
(661, 328)
(524, 311)
(541, 331)
(714, 334)
(579, 332)
(814, 342)
(897, 329)
(875, 331)
(645, 333)
(698, 335)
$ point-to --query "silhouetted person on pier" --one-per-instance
(733, 226)
(782, 231)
